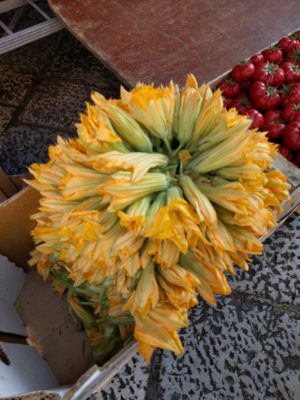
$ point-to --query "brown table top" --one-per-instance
(156, 41)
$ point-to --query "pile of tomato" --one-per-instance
(266, 88)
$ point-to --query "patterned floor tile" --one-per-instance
(130, 383)
(31, 58)
(5, 116)
(242, 349)
(73, 61)
(56, 105)
(275, 275)
(13, 87)
(23, 145)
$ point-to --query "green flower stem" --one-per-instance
(176, 151)
(168, 147)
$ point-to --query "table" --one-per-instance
(155, 41)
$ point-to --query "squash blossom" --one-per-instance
(162, 194)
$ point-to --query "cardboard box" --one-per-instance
(8, 188)
(41, 348)
(30, 309)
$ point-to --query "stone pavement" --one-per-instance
(248, 346)
(43, 88)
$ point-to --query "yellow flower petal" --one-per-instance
(200, 202)
(158, 329)
(139, 163)
(152, 107)
(169, 223)
(135, 216)
(146, 295)
(125, 125)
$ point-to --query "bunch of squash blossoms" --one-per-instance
(162, 193)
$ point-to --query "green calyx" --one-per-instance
(271, 91)
(271, 68)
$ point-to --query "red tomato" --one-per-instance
(286, 44)
(274, 129)
(290, 111)
(269, 73)
(230, 88)
(296, 117)
(291, 136)
(245, 85)
(291, 72)
(257, 58)
(298, 159)
(226, 102)
(243, 71)
(293, 56)
(264, 97)
(241, 103)
(273, 115)
(256, 116)
(273, 55)
(295, 35)
(291, 94)
(285, 153)
(273, 124)
(259, 64)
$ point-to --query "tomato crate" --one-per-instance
(266, 88)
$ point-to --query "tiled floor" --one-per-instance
(43, 88)
(246, 348)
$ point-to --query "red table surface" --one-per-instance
(156, 41)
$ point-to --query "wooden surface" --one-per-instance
(151, 40)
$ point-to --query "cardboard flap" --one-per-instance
(6, 185)
(11, 280)
(16, 225)
(52, 331)
(3, 196)
(10, 322)
(18, 180)
(23, 370)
